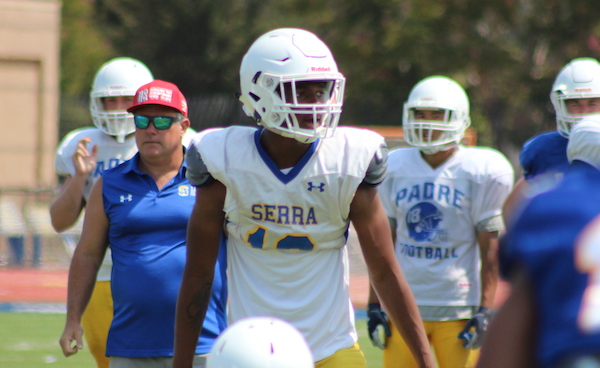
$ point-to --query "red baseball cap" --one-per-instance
(159, 92)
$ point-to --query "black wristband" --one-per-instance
(483, 310)
(373, 307)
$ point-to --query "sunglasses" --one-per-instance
(160, 122)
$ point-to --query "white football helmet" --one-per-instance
(117, 77)
(580, 78)
(274, 64)
(260, 342)
(436, 93)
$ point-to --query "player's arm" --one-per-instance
(487, 237)
(66, 208)
(83, 270)
(475, 329)
(377, 316)
(372, 294)
(204, 231)
(514, 200)
(510, 339)
(371, 224)
(488, 248)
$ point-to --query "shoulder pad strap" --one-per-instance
(197, 172)
(378, 166)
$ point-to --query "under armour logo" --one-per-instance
(127, 198)
(320, 187)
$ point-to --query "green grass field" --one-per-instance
(30, 340)
(374, 355)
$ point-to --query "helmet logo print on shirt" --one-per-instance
(423, 222)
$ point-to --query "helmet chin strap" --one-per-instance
(247, 106)
(435, 149)
(120, 137)
(299, 138)
(305, 139)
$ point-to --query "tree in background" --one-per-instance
(83, 49)
(505, 53)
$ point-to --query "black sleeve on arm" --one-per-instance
(377, 168)
(197, 172)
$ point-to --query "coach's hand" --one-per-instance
(377, 320)
(475, 329)
(71, 340)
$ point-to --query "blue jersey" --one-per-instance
(542, 241)
(147, 235)
(544, 153)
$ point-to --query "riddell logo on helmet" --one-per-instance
(320, 69)
(583, 89)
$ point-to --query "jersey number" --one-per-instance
(257, 239)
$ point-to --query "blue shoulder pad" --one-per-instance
(543, 153)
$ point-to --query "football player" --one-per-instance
(287, 193)
(575, 95)
(551, 319)
(443, 201)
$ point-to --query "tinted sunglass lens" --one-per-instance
(141, 122)
(161, 122)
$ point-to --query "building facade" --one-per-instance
(29, 92)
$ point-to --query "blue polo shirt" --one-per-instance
(147, 233)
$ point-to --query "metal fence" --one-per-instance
(27, 238)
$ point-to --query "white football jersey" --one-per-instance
(287, 249)
(110, 154)
(436, 211)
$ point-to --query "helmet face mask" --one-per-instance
(291, 116)
(117, 77)
(115, 123)
(579, 79)
(433, 133)
(276, 71)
